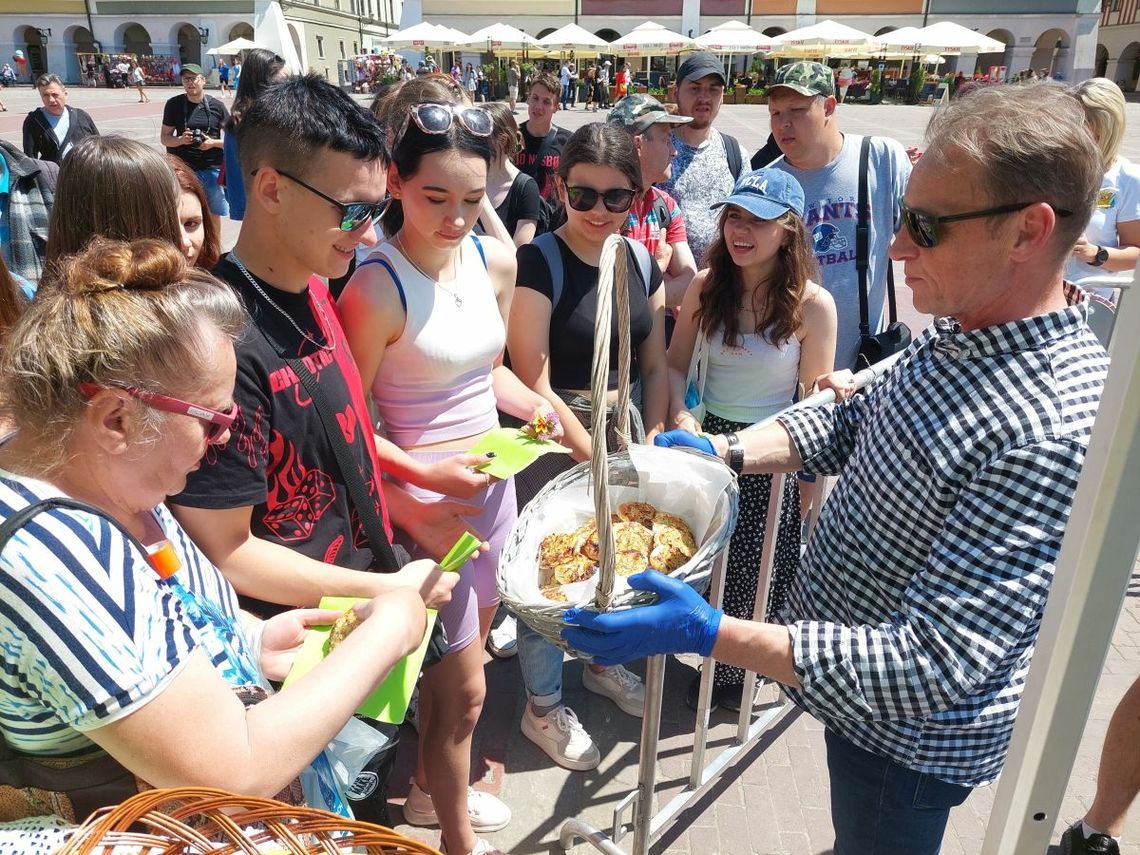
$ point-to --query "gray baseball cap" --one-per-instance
(699, 65)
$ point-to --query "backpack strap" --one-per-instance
(732, 152)
(547, 244)
(863, 235)
(387, 265)
(478, 246)
(644, 262)
(661, 211)
(23, 516)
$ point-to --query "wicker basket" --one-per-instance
(591, 483)
(203, 821)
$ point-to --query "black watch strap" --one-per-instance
(1100, 258)
(735, 458)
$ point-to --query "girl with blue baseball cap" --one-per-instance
(763, 331)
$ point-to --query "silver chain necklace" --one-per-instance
(454, 295)
(327, 346)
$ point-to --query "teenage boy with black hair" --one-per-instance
(271, 507)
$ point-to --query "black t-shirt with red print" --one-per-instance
(278, 459)
(539, 158)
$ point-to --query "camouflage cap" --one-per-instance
(637, 112)
(807, 78)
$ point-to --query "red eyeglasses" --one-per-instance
(217, 423)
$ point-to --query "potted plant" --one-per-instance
(875, 90)
(757, 95)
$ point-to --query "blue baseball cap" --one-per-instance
(766, 193)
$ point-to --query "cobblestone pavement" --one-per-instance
(773, 800)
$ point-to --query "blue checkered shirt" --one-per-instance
(915, 611)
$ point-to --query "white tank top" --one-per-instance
(434, 383)
(753, 380)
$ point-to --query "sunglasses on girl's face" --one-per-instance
(923, 227)
(617, 200)
(352, 214)
(438, 118)
(217, 423)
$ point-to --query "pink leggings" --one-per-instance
(476, 589)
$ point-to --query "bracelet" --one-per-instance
(735, 456)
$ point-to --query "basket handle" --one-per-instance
(612, 279)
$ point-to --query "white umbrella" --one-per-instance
(424, 35)
(901, 40)
(651, 39)
(236, 46)
(827, 38)
(734, 37)
(271, 32)
(501, 37)
(571, 37)
(948, 37)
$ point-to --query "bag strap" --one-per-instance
(478, 246)
(732, 152)
(863, 246)
(660, 211)
(23, 516)
(547, 244)
(697, 368)
(370, 520)
(644, 262)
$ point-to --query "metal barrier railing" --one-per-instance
(647, 823)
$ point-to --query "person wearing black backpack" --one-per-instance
(708, 162)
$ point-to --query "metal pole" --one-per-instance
(1092, 574)
(646, 805)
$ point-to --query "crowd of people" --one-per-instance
(189, 456)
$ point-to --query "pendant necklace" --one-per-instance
(454, 295)
(326, 346)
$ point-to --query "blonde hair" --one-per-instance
(116, 314)
(1103, 103)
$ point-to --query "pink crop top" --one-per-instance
(434, 383)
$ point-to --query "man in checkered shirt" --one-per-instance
(912, 620)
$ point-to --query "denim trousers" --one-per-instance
(541, 664)
(881, 808)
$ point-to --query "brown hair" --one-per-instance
(112, 187)
(12, 302)
(116, 314)
(548, 82)
(778, 308)
(189, 183)
(506, 137)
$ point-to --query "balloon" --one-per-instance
(18, 55)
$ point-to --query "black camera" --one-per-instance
(196, 137)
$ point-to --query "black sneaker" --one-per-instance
(1074, 842)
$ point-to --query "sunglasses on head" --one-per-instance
(923, 227)
(352, 214)
(217, 423)
(438, 119)
(617, 200)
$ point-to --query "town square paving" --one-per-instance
(774, 799)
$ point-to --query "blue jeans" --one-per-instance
(565, 95)
(215, 193)
(881, 808)
(541, 664)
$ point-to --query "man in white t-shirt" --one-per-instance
(846, 75)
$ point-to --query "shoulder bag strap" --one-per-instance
(863, 236)
(644, 262)
(547, 244)
(23, 516)
(732, 152)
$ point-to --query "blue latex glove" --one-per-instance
(679, 622)
(684, 439)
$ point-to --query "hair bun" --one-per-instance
(104, 265)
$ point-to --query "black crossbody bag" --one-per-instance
(896, 337)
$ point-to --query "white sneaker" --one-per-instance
(619, 685)
(562, 737)
(486, 812)
(503, 640)
(482, 847)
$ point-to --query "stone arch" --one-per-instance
(135, 39)
(1049, 44)
(544, 33)
(987, 60)
(1128, 68)
(882, 31)
(32, 44)
(240, 30)
(1101, 64)
(189, 43)
(608, 34)
(78, 40)
(295, 35)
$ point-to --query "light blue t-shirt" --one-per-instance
(831, 196)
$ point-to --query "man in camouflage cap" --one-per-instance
(655, 218)
(802, 109)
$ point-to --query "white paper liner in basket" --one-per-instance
(693, 486)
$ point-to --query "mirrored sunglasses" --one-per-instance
(352, 214)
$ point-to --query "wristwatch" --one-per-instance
(735, 458)
(1100, 258)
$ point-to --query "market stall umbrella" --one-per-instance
(948, 37)
(571, 37)
(902, 40)
(827, 38)
(271, 32)
(235, 47)
(734, 37)
(502, 38)
(651, 39)
(424, 35)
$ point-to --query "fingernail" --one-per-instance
(490, 454)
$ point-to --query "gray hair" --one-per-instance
(116, 314)
(1027, 144)
(46, 80)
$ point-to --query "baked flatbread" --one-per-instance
(343, 628)
(637, 512)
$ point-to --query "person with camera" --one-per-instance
(192, 131)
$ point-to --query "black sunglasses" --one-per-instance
(617, 201)
(352, 214)
(923, 227)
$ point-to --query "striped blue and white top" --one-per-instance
(89, 633)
